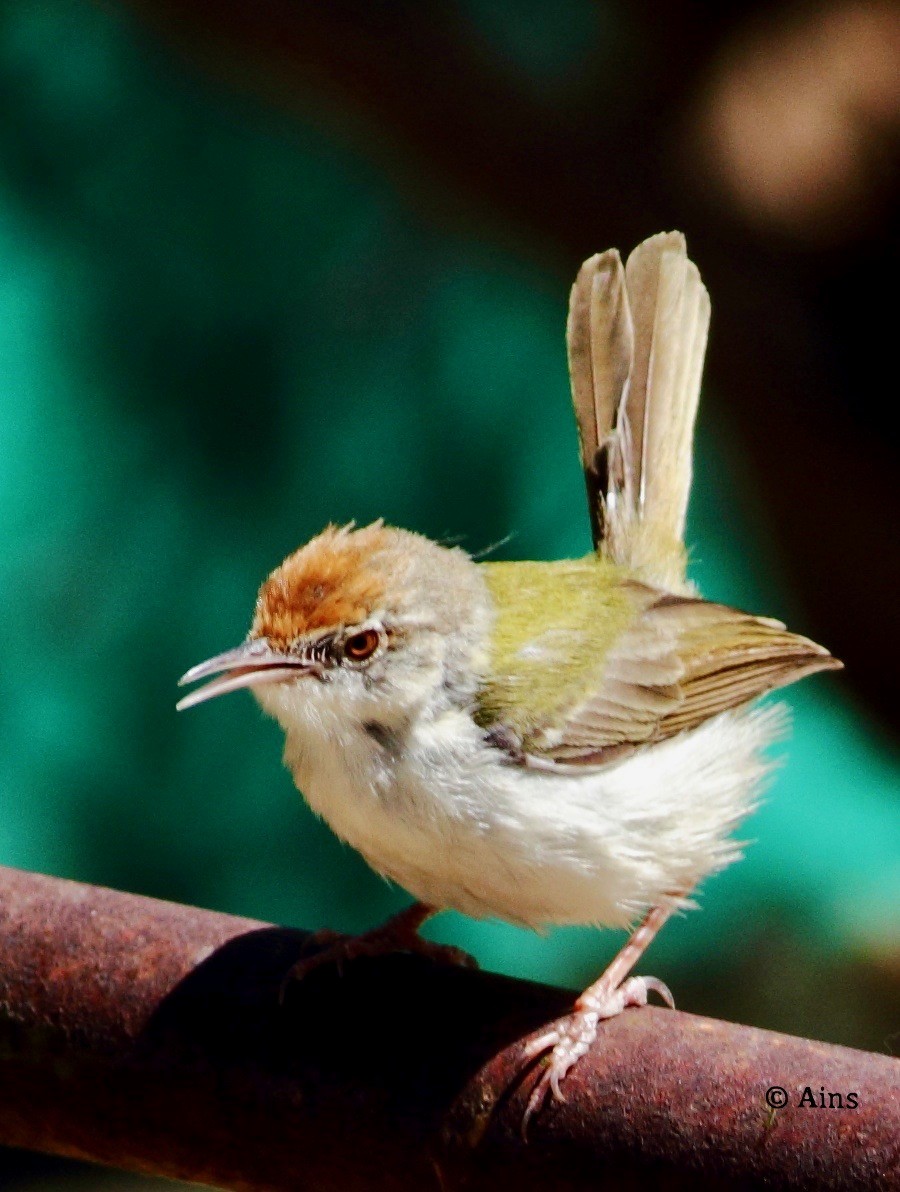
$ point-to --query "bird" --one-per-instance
(542, 742)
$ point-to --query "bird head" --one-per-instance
(364, 623)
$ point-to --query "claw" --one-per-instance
(555, 1078)
(538, 1046)
(660, 988)
(535, 1103)
(568, 1041)
(531, 1051)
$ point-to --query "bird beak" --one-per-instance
(251, 664)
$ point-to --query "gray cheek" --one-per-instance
(400, 679)
(369, 679)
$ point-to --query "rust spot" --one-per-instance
(326, 584)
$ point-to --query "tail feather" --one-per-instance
(600, 341)
(643, 277)
(637, 338)
(677, 333)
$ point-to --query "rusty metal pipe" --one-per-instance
(149, 1036)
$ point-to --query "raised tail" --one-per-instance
(636, 339)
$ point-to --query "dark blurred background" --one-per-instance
(265, 266)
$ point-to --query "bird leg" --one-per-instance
(568, 1040)
(400, 933)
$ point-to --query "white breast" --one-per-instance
(439, 811)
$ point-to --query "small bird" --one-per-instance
(564, 742)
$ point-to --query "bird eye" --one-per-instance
(361, 646)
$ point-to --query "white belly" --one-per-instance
(457, 827)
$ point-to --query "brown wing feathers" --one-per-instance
(730, 658)
(683, 661)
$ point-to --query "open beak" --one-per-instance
(251, 664)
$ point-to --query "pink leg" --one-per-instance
(568, 1041)
(399, 934)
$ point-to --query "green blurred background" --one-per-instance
(263, 267)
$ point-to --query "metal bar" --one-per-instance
(149, 1036)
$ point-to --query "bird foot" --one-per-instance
(328, 948)
(569, 1039)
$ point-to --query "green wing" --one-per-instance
(586, 664)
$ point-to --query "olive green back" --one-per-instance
(555, 624)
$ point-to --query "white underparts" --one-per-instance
(437, 809)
